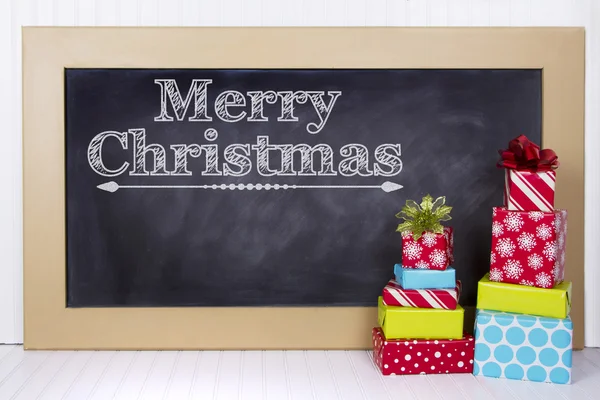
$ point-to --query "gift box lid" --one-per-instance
(411, 278)
(379, 336)
(484, 317)
(521, 299)
(377, 331)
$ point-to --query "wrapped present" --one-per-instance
(410, 278)
(426, 244)
(421, 356)
(553, 303)
(530, 176)
(430, 251)
(420, 323)
(395, 295)
(529, 191)
(523, 347)
(528, 248)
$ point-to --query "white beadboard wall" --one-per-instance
(16, 13)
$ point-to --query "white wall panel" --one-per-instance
(251, 12)
(63, 12)
(128, 15)
(15, 13)
(9, 265)
(396, 13)
(336, 12)
(85, 11)
(415, 12)
(105, 12)
(499, 12)
(231, 12)
(356, 12)
(520, 12)
(375, 12)
(314, 13)
(481, 12)
(591, 17)
(460, 12)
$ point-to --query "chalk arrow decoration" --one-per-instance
(390, 186)
(114, 186)
(109, 186)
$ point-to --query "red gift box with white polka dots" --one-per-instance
(423, 356)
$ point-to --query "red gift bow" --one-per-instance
(525, 155)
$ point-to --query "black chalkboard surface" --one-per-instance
(196, 187)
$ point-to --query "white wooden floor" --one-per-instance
(277, 375)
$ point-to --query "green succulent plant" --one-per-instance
(424, 217)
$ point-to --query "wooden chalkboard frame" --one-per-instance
(47, 51)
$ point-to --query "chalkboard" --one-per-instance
(199, 187)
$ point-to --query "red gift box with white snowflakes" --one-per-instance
(395, 295)
(430, 251)
(421, 356)
(528, 247)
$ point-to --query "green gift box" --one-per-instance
(420, 323)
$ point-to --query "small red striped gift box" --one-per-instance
(395, 295)
(529, 191)
(529, 181)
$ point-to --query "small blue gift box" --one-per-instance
(523, 347)
(410, 278)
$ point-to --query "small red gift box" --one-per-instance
(529, 191)
(430, 251)
(528, 248)
(530, 176)
(421, 356)
(395, 295)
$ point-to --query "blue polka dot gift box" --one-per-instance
(523, 347)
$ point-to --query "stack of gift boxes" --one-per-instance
(420, 321)
(522, 328)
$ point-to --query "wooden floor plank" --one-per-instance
(306, 375)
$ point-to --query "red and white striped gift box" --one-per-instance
(529, 191)
(395, 295)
